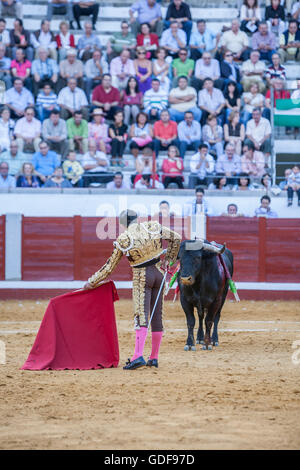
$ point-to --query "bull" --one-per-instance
(203, 285)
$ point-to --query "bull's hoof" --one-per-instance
(209, 347)
(216, 343)
(200, 341)
(193, 348)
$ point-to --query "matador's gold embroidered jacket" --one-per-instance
(140, 243)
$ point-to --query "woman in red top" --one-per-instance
(172, 168)
(64, 40)
(148, 40)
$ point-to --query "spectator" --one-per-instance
(95, 165)
(141, 134)
(275, 70)
(212, 135)
(206, 67)
(289, 43)
(28, 131)
(183, 98)
(64, 40)
(73, 170)
(85, 8)
(143, 164)
(60, 7)
(189, 133)
(172, 168)
(44, 161)
(120, 41)
(203, 40)
(57, 180)
(279, 94)
(5, 65)
(14, 158)
(253, 161)
(98, 131)
(4, 34)
(46, 102)
(45, 38)
(118, 134)
(117, 182)
(88, 42)
(250, 16)
(148, 11)
(234, 131)
(258, 131)
(180, 11)
(155, 100)
(146, 182)
(232, 99)
(11, 8)
(283, 185)
(20, 38)
(44, 70)
(78, 132)
(143, 70)
(229, 163)
(121, 68)
(70, 68)
(18, 98)
(235, 41)
(164, 210)
(232, 211)
(264, 210)
(202, 166)
(6, 181)
(71, 99)
(296, 11)
(21, 68)
(252, 99)
(165, 132)
(220, 183)
(230, 72)
(132, 100)
(296, 93)
(211, 101)
(243, 183)
(93, 71)
(266, 182)
(293, 185)
(253, 72)
(182, 67)
(161, 69)
(173, 39)
(106, 96)
(147, 40)
(54, 132)
(199, 205)
(27, 178)
(275, 17)
(6, 129)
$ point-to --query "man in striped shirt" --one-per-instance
(155, 100)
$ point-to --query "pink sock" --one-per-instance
(140, 339)
(156, 340)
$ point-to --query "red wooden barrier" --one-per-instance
(2, 247)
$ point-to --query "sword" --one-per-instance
(158, 295)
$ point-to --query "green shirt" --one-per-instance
(118, 41)
(81, 130)
(183, 68)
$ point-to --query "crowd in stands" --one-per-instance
(160, 86)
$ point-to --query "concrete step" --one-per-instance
(289, 146)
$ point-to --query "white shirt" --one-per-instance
(212, 70)
(234, 42)
(203, 170)
(258, 132)
(28, 129)
(74, 100)
(90, 160)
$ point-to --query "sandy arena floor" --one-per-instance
(245, 394)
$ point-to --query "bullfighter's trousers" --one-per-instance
(146, 285)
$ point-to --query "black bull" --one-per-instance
(203, 285)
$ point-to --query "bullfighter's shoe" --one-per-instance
(138, 362)
(152, 363)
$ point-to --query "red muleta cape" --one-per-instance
(78, 331)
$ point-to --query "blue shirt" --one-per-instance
(44, 69)
(45, 165)
(146, 14)
(207, 38)
(5, 63)
(193, 131)
(19, 100)
(9, 182)
(168, 39)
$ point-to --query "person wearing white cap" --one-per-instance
(70, 68)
